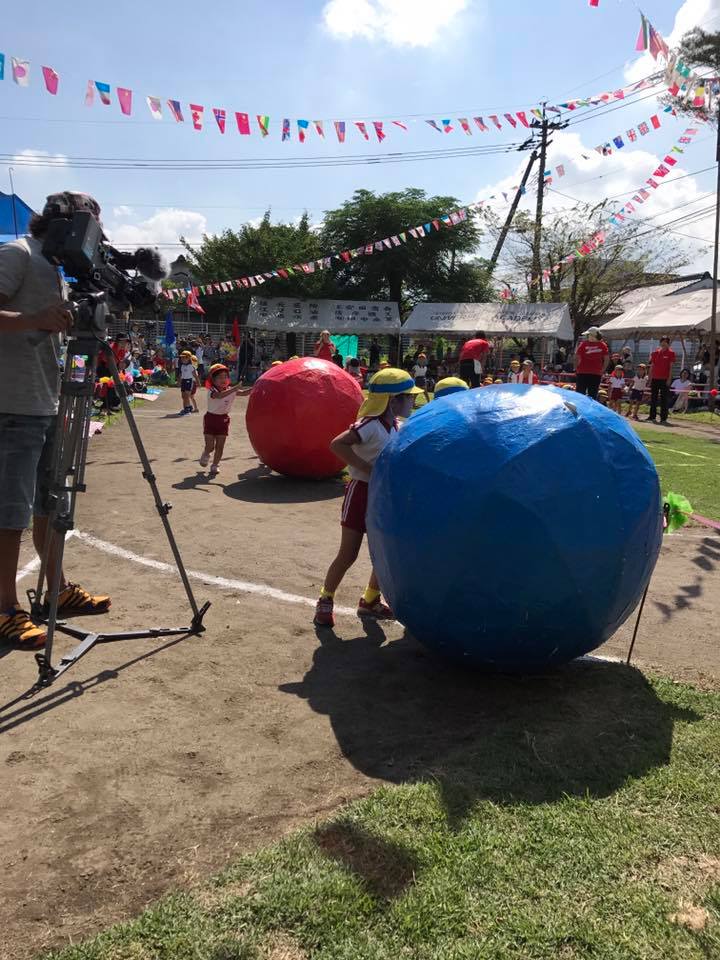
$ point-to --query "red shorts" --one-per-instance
(216, 424)
(616, 393)
(354, 506)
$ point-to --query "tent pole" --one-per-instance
(713, 315)
(12, 194)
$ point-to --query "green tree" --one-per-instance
(257, 249)
(701, 51)
(631, 257)
(436, 267)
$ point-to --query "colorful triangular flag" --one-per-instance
(51, 80)
(125, 100)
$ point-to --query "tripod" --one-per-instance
(67, 479)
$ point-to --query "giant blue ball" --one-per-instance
(514, 527)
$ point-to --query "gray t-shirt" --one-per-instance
(29, 371)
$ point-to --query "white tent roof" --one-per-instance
(495, 319)
(287, 314)
(677, 315)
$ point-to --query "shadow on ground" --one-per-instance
(261, 485)
(706, 561)
(400, 715)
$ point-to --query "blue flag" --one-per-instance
(2, 66)
(169, 329)
(619, 142)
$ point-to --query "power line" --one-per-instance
(275, 163)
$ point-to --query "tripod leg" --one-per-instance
(64, 481)
(162, 508)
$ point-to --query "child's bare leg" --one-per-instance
(185, 399)
(219, 447)
(194, 403)
(209, 443)
(350, 543)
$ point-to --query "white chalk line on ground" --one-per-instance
(224, 583)
(682, 453)
(34, 564)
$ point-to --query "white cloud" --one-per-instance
(34, 160)
(692, 13)
(619, 176)
(122, 211)
(163, 228)
(414, 23)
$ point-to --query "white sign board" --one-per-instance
(494, 319)
(338, 316)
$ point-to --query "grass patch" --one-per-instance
(552, 818)
(687, 465)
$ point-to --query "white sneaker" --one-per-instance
(214, 470)
(204, 459)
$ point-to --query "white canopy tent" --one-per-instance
(289, 315)
(676, 316)
(550, 320)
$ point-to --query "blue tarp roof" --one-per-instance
(10, 223)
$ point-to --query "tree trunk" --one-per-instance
(395, 284)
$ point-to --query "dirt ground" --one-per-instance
(152, 763)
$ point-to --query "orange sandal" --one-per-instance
(73, 601)
(18, 630)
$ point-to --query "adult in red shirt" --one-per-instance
(472, 355)
(325, 348)
(661, 362)
(591, 358)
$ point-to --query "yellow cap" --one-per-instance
(443, 388)
(385, 384)
(276, 363)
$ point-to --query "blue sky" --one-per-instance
(327, 59)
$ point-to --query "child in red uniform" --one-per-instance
(617, 388)
(216, 422)
(391, 394)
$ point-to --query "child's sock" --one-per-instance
(370, 595)
(327, 594)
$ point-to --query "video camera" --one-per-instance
(97, 272)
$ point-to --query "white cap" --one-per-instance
(593, 332)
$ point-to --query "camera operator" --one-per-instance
(31, 300)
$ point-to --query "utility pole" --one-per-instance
(713, 313)
(544, 126)
(511, 211)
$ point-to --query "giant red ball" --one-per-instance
(295, 410)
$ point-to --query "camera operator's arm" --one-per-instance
(55, 319)
(52, 317)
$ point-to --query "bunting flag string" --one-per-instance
(501, 121)
(446, 220)
(618, 141)
(619, 217)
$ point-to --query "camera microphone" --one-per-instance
(147, 260)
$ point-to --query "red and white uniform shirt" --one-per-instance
(591, 356)
(373, 434)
